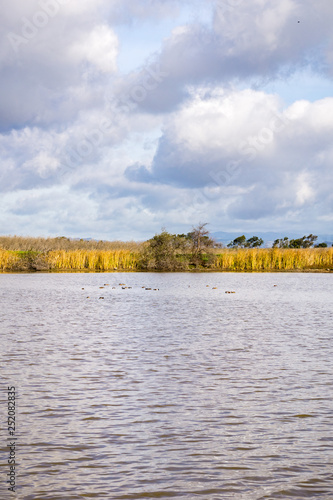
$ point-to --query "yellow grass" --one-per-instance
(19, 253)
(7, 260)
(92, 260)
(266, 259)
(26, 243)
(274, 259)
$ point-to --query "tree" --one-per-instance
(304, 242)
(309, 241)
(201, 246)
(242, 242)
(281, 243)
(175, 252)
(238, 242)
(201, 241)
(254, 242)
(160, 253)
(322, 245)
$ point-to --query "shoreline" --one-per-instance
(189, 271)
(311, 260)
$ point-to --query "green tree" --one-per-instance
(161, 253)
(304, 242)
(254, 242)
(238, 242)
(242, 242)
(175, 252)
(281, 243)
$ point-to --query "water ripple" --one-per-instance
(186, 392)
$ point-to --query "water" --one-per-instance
(183, 392)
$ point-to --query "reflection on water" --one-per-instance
(182, 392)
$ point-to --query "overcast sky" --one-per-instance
(119, 117)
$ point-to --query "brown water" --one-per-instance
(184, 392)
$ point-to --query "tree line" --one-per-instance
(196, 249)
(177, 252)
(255, 242)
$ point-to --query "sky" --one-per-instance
(119, 118)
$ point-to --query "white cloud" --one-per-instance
(244, 139)
(99, 48)
(227, 152)
(304, 193)
(58, 68)
(43, 164)
(259, 39)
(221, 120)
(259, 23)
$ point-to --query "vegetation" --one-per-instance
(62, 260)
(242, 242)
(164, 252)
(92, 260)
(21, 243)
(304, 242)
(275, 259)
(179, 252)
(54, 254)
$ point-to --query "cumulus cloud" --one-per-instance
(52, 60)
(74, 130)
(98, 48)
(280, 157)
(34, 156)
(259, 39)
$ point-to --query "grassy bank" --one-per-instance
(92, 260)
(274, 259)
(63, 254)
(129, 259)
(72, 260)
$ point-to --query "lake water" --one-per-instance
(184, 392)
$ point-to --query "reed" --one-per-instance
(92, 260)
(127, 259)
(274, 259)
(8, 260)
(22, 243)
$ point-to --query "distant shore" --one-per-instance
(190, 271)
(126, 260)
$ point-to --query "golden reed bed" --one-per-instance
(266, 259)
(62, 260)
(274, 259)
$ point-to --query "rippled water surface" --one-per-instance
(182, 392)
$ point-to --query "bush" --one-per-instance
(161, 253)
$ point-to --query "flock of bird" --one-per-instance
(125, 287)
